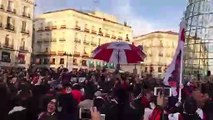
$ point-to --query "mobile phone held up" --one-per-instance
(165, 91)
(85, 114)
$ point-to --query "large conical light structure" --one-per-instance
(199, 37)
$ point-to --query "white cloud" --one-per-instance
(125, 12)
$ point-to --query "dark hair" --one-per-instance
(190, 107)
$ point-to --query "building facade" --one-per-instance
(16, 21)
(160, 48)
(68, 37)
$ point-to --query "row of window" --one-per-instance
(10, 25)
(6, 57)
(93, 31)
(75, 62)
(9, 43)
(151, 69)
(161, 55)
(11, 8)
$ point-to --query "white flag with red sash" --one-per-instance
(173, 75)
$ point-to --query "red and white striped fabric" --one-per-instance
(119, 52)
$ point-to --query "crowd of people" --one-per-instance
(61, 95)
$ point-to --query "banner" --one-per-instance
(173, 75)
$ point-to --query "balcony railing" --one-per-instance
(127, 39)
(100, 33)
(54, 27)
(8, 46)
(22, 48)
(27, 15)
(86, 30)
(120, 38)
(77, 27)
(54, 40)
(1, 7)
(62, 39)
(107, 35)
(40, 29)
(47, 28)
(77, 40)
(25, 31)
(46, 40)
(63, 26)
(113, 37)
(86, 42)
(10, 27)
(94, 32)
(11, 10)
(76, 54)
(93, 44)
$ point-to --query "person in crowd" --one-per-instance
(76, 92)
(189, 111)
(50, 113)
(87, 103)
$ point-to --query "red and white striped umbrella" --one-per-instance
(119, 52)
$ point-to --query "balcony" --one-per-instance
(127, 39)
(46, 40)
(10, 10)
(63, 27)
(54, 40)
(47, 28)
(120, 38)
(77, 40)
(1, 7)
(94, 32)
(76, 54)
(113, 37)
(39, 41)
(27, 32)
(27, 15)
(7, 46)
(86, 42)
(40, 29)
(86, 30)
(54, 27)
(23, 49)
(77, 28)
(100, 33)
(93, 44)
(10, 27)
(62, 39)
(107, 35)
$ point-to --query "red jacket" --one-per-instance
(156, 114)
(77, 95)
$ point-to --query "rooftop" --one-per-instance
(91, 14)
(164, 32)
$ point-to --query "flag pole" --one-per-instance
(181, 79)
(182, 38)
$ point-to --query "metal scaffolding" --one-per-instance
(199, 37)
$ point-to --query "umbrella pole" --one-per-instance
(118, 64)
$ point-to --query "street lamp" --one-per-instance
(68, 55)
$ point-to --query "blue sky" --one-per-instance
(143, 15)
